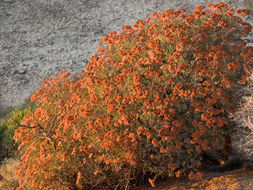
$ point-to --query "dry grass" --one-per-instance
(7, 170)
(242, 139)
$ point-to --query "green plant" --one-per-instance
(149, 105)
(8, 124)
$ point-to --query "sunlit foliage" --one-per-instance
(151, 102)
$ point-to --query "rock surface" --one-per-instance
(40, 38)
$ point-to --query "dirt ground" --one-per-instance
(240, 179)
(40, 38)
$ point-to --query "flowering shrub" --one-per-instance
(150, 103)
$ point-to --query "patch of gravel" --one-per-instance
(39, 38)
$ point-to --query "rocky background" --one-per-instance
(39, 38)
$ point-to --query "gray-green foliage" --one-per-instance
(8, 125)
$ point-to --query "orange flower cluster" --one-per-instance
(154, 99)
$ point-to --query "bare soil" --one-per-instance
(240, 179)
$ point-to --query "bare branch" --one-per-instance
(42, 131)
(25, 126)
(52, 125)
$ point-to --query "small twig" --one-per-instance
(52, 125)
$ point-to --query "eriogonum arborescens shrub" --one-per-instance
(154, 99)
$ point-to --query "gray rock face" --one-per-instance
(38, 39)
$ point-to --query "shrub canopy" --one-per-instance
(153, 99)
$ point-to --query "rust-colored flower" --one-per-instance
(79, 175)
(151, 181)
